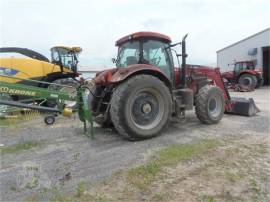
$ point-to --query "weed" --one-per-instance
(211, 199)
(254, 186)
(233, 177)
(143, 175)
(81, 187)
(160, 197)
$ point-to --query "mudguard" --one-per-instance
(116, 75)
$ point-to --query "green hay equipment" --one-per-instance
(39, 95)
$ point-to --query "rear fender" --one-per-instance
(252, 72)
(118, 75)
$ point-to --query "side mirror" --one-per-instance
(114, 60)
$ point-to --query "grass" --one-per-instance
(233, 176)
(81, 188)
(254, 186)
(19, 147)
(160, 197)
(177, 153)
(19, 117)
(144, 175)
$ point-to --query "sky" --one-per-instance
(95, 25)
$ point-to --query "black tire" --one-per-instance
(248, 80)
(141, 107)
(260, 81)
(65, 81)
(49, 120)
(210, 104)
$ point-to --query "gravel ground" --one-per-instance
(65, 157)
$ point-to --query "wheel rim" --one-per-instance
(50, 120)
(147, 109)
(69, 89)
(247, 81)
(215, 106)
(72, 92)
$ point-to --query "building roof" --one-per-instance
(265, 30)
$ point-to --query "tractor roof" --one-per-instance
(71, 49)
(150, 35)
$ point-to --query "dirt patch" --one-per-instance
(232, 170)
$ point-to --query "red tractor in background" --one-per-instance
(244, 77)
(145, 91)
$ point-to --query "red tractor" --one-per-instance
(145, 90)
(244, 76)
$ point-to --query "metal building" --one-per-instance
(254, 48)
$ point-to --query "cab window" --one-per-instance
(151, 52)
(238, 67)
(156, 55)
(128, 54)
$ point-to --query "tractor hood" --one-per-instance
(116, 75)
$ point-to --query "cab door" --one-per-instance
(238, 67)
(156, 53)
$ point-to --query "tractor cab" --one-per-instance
(243, 65)
(145, 48)
(66, 57)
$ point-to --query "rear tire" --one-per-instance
(141, 107)
(248, 80)
(209, 104)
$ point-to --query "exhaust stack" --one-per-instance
(183, 68)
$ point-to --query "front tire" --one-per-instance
(210, 104)
(260, 82)
(141, 107)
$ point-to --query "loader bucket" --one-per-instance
(242, 107)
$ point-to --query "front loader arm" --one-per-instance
(212, 74)
(238, 106)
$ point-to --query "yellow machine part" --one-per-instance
(67, 112)
(26, 68)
